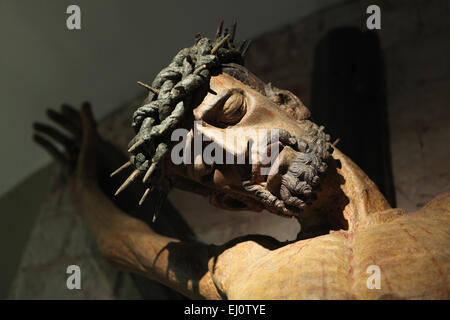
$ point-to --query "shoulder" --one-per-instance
(440, 204)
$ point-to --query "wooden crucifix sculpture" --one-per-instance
(348, 228)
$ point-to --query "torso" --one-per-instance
(411, 251)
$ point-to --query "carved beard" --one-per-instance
(290, 191)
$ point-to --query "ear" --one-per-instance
(288, 102)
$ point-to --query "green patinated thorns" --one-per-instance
(189, 71)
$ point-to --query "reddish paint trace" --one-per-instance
(426, 230)
(324, 276)
(432, 257)
(349, 238)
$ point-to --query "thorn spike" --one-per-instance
(199, 69)
(124, 166)
(158, 207)
(245, 47)
(135, 145)
(149, 172)
(221, 42)
(242, 45)
(233, 30)
(127, 182)
(219, 30)
(147, 191)
(335, 142)
(154, 90)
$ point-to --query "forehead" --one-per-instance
(227, 80)
(242, 74)
(220, 84)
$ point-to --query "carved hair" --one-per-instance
(170, 97)
(189, 71)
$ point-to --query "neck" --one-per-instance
(346, 199)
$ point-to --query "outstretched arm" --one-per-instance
(191, 268)
(133, 246)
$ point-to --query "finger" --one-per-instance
(87, 120)
(86, 110)
(51, 132)
(87, 160)
(297, 187)
(289, 199)
(51, 149)
(64, 122)
(70, 111)
(71, 114)
(286, 138)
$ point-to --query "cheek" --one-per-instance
(270, 114)
(226, 177)
(219, 83)
(263, 113)
(223, 82)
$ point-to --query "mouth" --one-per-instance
(235, 201)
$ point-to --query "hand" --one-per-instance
(80, 147)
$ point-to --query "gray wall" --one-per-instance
(43, 65)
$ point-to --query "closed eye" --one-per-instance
(227, 110)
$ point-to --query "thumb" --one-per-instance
(87, 161)
(88, 123)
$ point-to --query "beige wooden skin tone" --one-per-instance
(411, 249)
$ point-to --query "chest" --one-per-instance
(392, 261)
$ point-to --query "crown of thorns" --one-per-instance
(170, 98)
